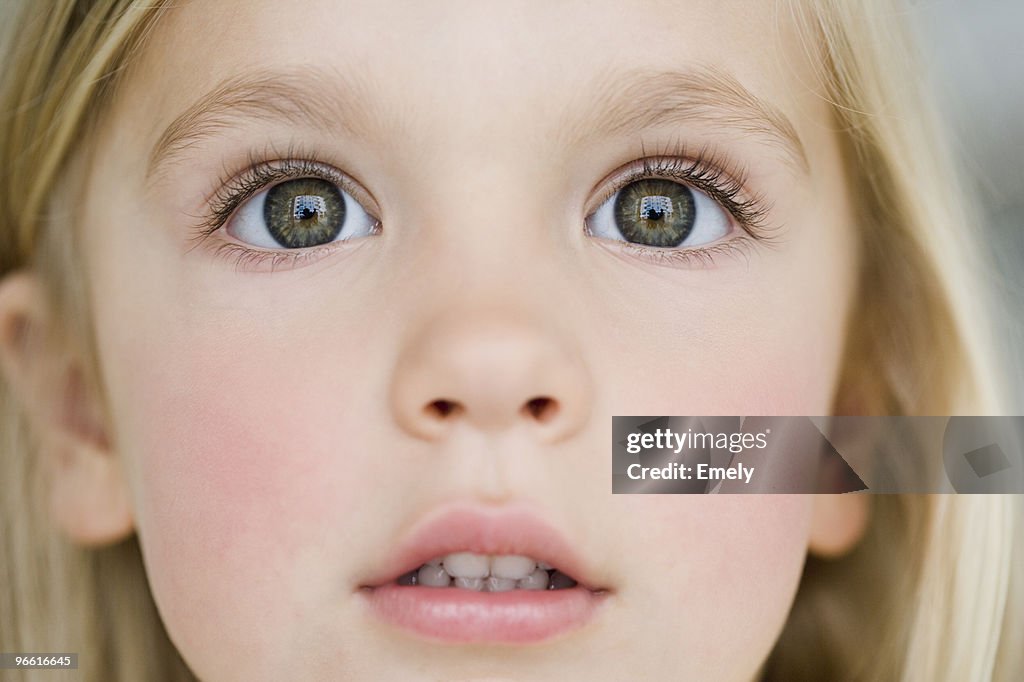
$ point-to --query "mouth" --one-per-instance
(484, 575)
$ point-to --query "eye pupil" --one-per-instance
(655, 207)
(307, 207)
(655, 212)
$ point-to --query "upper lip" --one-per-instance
(472, 528)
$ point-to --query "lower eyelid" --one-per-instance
(698, 257)
(248, 259)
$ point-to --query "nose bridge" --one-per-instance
(486, 345)
(494, 201)
(485, 240)
(493, 368)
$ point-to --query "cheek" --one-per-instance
(237, 486)
(760, 339)
(756, 357)
(723, 575)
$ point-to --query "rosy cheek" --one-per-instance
(237, 487)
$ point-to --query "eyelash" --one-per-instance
(721, 180)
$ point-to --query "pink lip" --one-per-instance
(457, 615)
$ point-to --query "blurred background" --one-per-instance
(975, 60)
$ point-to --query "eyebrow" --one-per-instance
(321, 99)
(626, 103)
(630, 102)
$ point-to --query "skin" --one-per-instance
(266, 430)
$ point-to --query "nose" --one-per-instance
(490, 370)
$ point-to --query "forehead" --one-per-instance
(470, 36)
(528, 68)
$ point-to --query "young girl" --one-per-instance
(313, 317)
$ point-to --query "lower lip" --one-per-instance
(453, 614)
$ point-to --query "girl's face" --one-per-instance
(467, 299)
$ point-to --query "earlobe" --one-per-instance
(89, 498)
(838, 523)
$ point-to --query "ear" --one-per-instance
(89, 498)
(838, 523)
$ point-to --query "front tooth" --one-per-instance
(433, 576)
(467, 565)
(512, 566)
(495, 584)
(538, 580)
(476, 584)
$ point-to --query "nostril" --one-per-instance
(442, 408)
(542, 409)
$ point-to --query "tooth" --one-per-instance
(512, 566)
(495, 584)
(433, 576)
(470, 583)
(538, 580)
(543, 565)
(436, 561)
(560, 580)
(467, 565)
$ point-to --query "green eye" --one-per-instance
(299, 214)
(655, 212)
(660, 213)
(303, 213)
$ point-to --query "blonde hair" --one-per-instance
(928, 594)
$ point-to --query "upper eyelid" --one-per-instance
(613, 183)
(727, 177)
(633, 170)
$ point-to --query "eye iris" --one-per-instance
(655, 212)
(305, 212)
